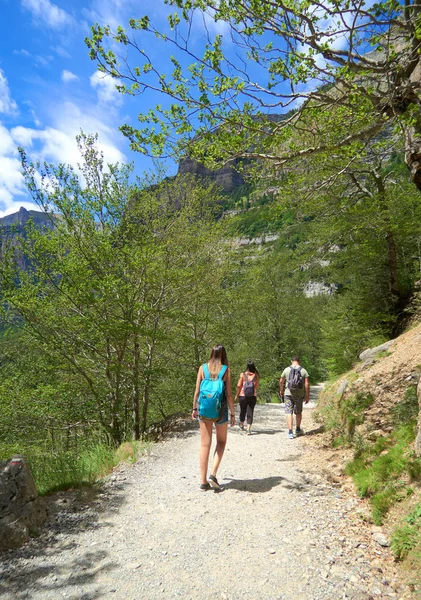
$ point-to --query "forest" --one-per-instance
(107, 313)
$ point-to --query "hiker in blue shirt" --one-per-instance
(294, 388)
(211, 400)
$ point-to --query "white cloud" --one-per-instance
(56, 144)
(67, 76)
(11, 180)
(111, 12)
(7, 104)
(48, 13)
(22, 52)
(105, 88)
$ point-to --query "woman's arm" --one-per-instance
(238, 389)
(229, 397)
(196, 392)
(256, 385)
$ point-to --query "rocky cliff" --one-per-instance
(12, 227)
(227, 178)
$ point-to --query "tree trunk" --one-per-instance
(136, 391)
(413, 153)
(146, 389)
(392, 262)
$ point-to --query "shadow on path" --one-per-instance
(259, 486)
(19, 577)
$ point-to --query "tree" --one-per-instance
(106, 283)
(273, 56)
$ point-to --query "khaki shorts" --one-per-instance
(293, 405)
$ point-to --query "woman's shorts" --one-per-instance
(224, 415)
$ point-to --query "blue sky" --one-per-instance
(50, 89)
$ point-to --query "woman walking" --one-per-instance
(216, 368)
(246, 390)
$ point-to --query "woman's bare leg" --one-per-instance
(221, 442)
(205, 444)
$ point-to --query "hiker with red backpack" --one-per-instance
(211, 400)
(294, 388)
(246, 391)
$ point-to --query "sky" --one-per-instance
(50, 89)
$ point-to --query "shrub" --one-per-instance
(382, 477)
(408, 536)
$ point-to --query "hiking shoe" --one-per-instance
(291, 435)
(299, 431)
(213, 482)
(204, 487)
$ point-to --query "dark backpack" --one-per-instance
(248, 386)
(212, 394)
(295, 379)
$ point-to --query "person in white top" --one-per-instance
(294, 389)
(247, 393)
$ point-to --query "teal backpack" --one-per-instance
(212, 393)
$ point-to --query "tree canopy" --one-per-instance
(256, 82)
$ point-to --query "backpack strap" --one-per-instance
(222, 371)
(206, 371)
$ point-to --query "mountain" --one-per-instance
(13, 226)
(226, 177)
(19, 219)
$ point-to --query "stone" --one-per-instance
(371, 353)
(22, 512)
(381, 539)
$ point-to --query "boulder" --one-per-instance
(22, 511)
(371, 353)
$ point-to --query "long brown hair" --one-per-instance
(217, 358)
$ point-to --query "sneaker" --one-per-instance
(213, 482)
(204, 487)
(299, 431)
(291, 435)
(241, 426)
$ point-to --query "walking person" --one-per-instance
(211, 402)
(294, 389)
(246, 391)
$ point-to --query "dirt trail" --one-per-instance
(274, 532)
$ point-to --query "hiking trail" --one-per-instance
(276, 531)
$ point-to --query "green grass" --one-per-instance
(54, 471)
(383, 471)
(342, 419)
(407, 537)
(408, 408)
(406, 546)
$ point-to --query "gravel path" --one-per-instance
(274, 532)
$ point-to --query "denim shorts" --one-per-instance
(224, 415)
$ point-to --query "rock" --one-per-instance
(226, 177)
(22, 512)
(381, 539)
(376, 434)
(371, 353)
(341, 389)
